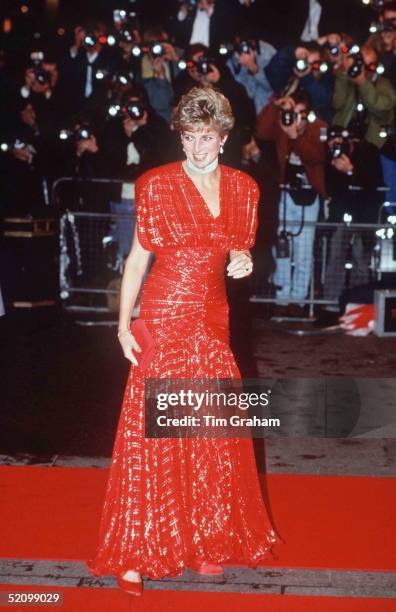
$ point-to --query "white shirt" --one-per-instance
(311, 29)
(200, 31)
(133, 157)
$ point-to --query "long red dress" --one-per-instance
(172, 501)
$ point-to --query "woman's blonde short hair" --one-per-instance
(203, 107)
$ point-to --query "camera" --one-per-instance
(114, 78)
(82, 132)
(156, 49)
(134, 109)
(125, 35)
(203, 65)
(338, 148)
(42, 76)
(357, 67)
(333, 49)
(17, 143)
(327, 133)
(119, 15)
(301, 65)
(120, 79)
(244, 46)
(90, 40)
(288, 116)
(388, 25)
(387, 132)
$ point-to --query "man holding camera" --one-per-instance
(301, 158)
(88, 54)
(363, 99)
(384, 40)
(158, 70)
(302, 66)
(353, 179)
(247, 65)
(133, 142)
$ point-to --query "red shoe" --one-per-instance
(133, 588)
(207, 569)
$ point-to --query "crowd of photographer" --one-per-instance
(312, 118)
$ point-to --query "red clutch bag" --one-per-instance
(143, 337)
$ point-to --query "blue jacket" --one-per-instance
(257, 85)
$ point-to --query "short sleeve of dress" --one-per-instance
(245, 217)
(252, 217)
(146, 200)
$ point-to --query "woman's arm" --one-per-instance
(135, 267)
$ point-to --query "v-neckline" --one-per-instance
(201, 196)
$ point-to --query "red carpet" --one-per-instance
(327, 522)
(103, 600)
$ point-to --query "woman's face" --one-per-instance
(202, 146)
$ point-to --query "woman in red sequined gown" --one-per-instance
(172, 504)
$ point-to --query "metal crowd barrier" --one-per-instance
(332, 257)
(340, 256)
(337, 256)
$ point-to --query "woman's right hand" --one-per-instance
(129, 344)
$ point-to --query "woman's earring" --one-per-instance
(221, 149)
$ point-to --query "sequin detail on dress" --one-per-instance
(170, 502)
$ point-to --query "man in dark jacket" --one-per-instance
(300, 66)
(353, 181)
(132, 143)
(210, 23)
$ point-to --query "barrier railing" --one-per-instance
(332, 258)
(312, 264)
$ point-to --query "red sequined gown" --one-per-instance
(171, 501)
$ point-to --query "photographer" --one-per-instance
(303, 67)
(384, 40)
(40, 87)
(88, 53)
(133, 142)
(201, 69)
(80, 155)
(25, 161)
(158, 70)
(352, 164)
(247, 65)
(40, 79)
(301, 158)
(363, 100)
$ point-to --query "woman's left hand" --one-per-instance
(241, 264)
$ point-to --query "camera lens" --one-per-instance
(301, 65)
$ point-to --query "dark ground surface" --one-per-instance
(62, 383)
